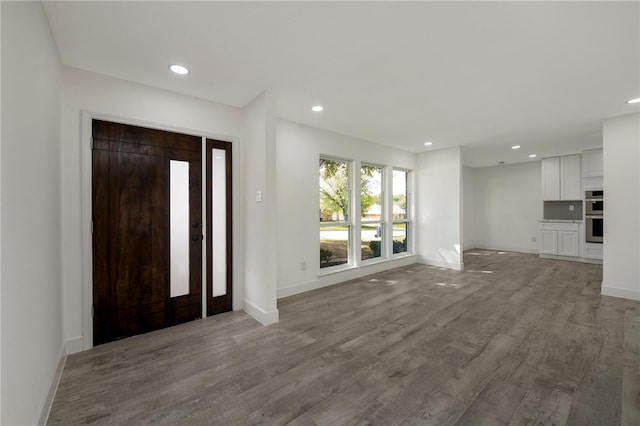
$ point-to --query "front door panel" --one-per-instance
(132, 238)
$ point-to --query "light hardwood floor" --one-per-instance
(513, 339)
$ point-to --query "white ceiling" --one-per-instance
(484, 75)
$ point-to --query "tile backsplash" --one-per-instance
(562, 210)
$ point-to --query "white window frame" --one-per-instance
(383, 222)
(408, 220)
(347, 222)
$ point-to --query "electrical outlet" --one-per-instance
(571, 207)
(303, 266)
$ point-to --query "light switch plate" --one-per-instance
(259, 196)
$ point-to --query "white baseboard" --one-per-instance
(623, 293)
(571, 259)
(301, 288)
(346, 275)
(47, 401)
(441, 263)
(512, 249)
(75, 345)
(260, 315)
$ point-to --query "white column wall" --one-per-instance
(32, 331)
(259, 215)
(0, 218)
(439, 193)
(468, 208)
(621, 151)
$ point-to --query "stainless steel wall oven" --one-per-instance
(594, 229)
(594, 216)
(594, 201)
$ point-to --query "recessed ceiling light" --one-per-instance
(317, 108)
(515, 147)
(634, 101)
(532, 155)
(428, 143)
(179, 69)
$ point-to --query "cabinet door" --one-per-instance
(568, 243)
(592, 163)
(570, 178)
(551, 179)
(548, 242)
(593, 251)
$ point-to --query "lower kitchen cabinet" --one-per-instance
(593, 251)
(559, 239)
(548, 242)
(568, 243)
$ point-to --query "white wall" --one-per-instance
(621, 149)
(508, 206)
(137, 104)
(468, 208)
(439, 193)
(259, 215)
(298, 150)
(0, 219)
(32, 333)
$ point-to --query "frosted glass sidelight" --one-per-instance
(219, 231)
(179, 227)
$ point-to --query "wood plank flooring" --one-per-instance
(512, 340)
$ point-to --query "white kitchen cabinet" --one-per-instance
(551, 178)
(559, 239)
(568, 243)
(593, 251)
(548, 242)
(592, 163)
(561, 178)
(570, 178)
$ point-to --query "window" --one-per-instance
(335, 225)
(371, 212)
(400, 211)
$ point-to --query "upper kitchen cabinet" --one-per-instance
(570, 178)
(592, 163)
(551, 179)
(561, 178)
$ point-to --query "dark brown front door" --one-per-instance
(147, 253)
